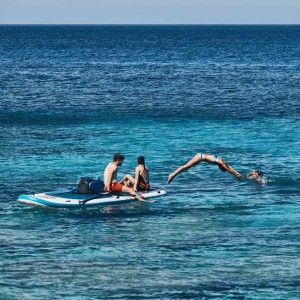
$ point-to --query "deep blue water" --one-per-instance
(72, 96)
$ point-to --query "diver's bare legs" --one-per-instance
(194, 161)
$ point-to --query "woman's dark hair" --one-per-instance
(141, 160)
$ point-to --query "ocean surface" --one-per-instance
(72, 96)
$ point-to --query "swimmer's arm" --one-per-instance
(251, 174)
(233, 171)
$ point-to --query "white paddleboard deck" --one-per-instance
(65, 198)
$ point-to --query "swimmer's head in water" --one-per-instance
(259, 173)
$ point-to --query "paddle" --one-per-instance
(82, 202)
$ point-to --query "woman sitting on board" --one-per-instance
(141, 176)
(141, 180)
(199, 157)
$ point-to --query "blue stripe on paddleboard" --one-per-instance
(66, 205)
(47, 203)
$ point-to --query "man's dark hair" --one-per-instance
(119, 156)
(260, 173)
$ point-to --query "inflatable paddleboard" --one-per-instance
(68, 199)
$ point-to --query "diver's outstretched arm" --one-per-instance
(223, 165)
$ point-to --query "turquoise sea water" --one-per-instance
(72, 96)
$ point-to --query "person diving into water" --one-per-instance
(199, 157)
